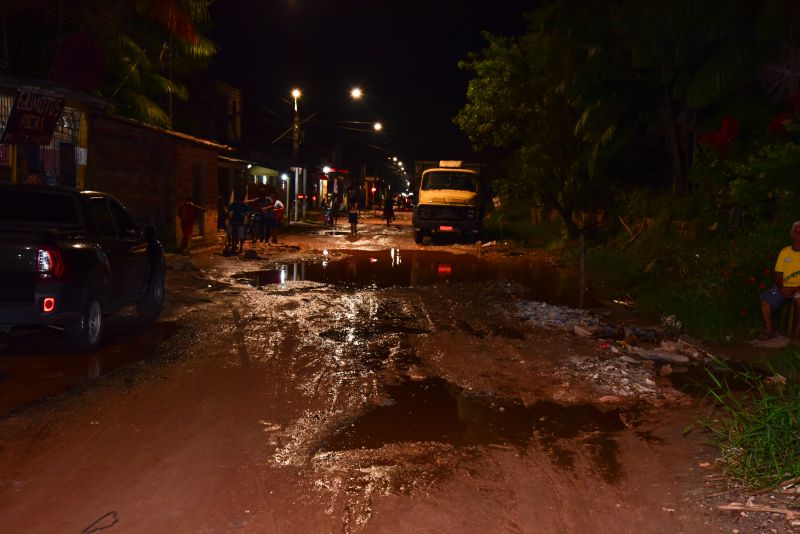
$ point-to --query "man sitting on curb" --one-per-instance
(787, 285)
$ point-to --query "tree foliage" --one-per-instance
(598, 95)
(132, 52)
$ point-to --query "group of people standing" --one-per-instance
(260, 218)
(266, 220)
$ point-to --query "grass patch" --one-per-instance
(758, 430)
(710, 282)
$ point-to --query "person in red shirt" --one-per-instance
(277, 210)
(186, 213)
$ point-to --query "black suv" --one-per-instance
(68, 258)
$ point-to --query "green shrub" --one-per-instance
(758, 432)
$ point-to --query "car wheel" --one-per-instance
(149, 307)
(418, 235)
(86, 333)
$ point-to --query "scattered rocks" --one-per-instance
(635, 357)
(619, 379)
(554, 317)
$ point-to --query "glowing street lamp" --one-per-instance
(296, 93)
(355, 94)
(377, 126)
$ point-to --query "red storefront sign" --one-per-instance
(33, 119)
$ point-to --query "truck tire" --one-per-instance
(418, 235)
(86, 333)
(149, 306)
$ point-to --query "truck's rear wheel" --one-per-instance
(87, 332)
(418, 236)
(149, 307)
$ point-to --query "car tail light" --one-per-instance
(48, 304)
(49, 262)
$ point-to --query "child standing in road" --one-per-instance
(352, 212)
(236, 229)
(277, 212)
(388, 210)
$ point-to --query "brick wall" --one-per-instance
(151, 171)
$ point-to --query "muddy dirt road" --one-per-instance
(337, 383)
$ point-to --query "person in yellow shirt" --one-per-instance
(787, 284)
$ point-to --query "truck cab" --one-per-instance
(449, 199)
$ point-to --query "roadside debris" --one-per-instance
(553, 317)
(619, 379)
(630, 342)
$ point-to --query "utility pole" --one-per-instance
(296, 154)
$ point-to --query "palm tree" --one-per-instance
(132, 52)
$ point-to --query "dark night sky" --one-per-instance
(403, 54)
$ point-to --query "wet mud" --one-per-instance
(400, 391)
(434, 410)
(34, 365)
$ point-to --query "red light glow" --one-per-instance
(48, 304)
(445, 268)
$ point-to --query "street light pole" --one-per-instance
(296, 151)
(355, 94)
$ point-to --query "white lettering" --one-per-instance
(43, 105)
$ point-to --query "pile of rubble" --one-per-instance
(618, 379)
(552, 317)
(635, 357)
(630, 342)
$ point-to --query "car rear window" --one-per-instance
(40, 208)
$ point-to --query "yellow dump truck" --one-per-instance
(449, 199)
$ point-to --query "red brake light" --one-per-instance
(48, 304)
(49, 262)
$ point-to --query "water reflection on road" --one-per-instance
(414, 268)
(34, 366)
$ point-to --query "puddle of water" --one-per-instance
(411, 268)
(435, 410)
(33, 366)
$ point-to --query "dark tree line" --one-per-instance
(600, 97)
